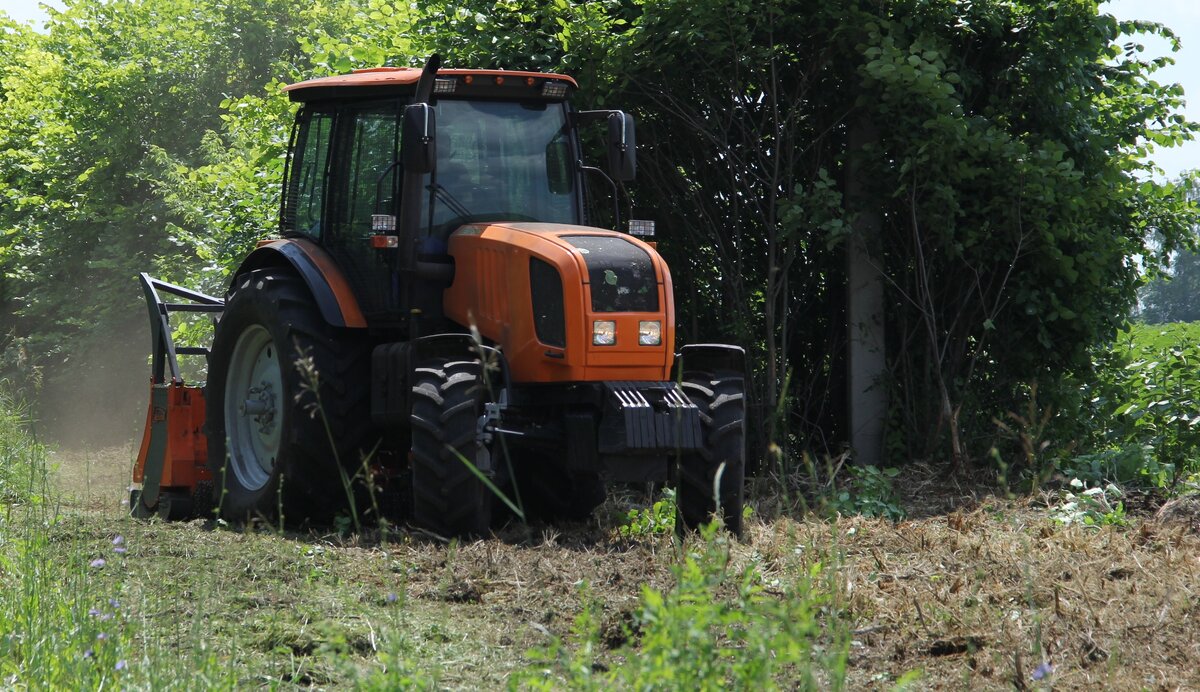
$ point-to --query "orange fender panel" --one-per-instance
(328, 285)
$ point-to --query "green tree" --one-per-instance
(89, 109)
(1174, 285)
(1002, 144)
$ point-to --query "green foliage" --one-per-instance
(717, 628)
(1134, 465)
(568, 36)
(869, 493)
(1145, 405)
(1015, 195)
(655, 520)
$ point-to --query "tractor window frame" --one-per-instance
(439, 218)
(306, 180)
(352, 197)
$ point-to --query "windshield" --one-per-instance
(499, 161)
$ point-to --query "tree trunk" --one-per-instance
(867, 361)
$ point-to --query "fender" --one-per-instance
(325, 281)
(711, 358)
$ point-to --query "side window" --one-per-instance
(309, 177)
(368, 184)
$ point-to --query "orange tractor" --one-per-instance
(436, 316)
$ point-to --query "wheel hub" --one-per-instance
(253, 419)
(261, 407)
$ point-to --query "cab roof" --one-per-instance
(376, 79)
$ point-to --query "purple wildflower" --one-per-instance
(99, 562)
(101, 637)
(119, 550)
(119, 540)
(106, 616)
(114, 603)
(120, 665)
(93, 612)
(390, 598)
(1043, 670)
(88, 653)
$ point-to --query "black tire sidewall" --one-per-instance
(247, 309)
(305, 482)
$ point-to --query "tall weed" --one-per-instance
(65, 622)
(717, 628)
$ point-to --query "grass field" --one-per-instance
(977, 592)
(1161, 336)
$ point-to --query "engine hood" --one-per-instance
(537, 288)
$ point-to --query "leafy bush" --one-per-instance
(1132, 465)
(1145, 407)
(655, 520)
(869, 493)
(1095, 506)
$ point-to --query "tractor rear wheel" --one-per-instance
(272, 445)
(447, 403)
(720, 397)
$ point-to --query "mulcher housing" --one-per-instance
(437, 320)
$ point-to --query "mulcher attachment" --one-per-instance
(172, 465)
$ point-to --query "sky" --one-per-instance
(1183, 16)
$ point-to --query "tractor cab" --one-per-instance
(382, 173)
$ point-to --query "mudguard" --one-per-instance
(711, 358)
(325, 281)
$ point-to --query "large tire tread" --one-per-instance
(720, 400)
(448, 498)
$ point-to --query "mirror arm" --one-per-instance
(613, 187)
(584, 117)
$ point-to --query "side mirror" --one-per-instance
(559, 176)
(418, 138)
(622, 146)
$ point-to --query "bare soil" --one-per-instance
(979, 591)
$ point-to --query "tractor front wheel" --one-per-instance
(700, 494)
(449, 498)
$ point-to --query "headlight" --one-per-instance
(604, 333)
(650, 333)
